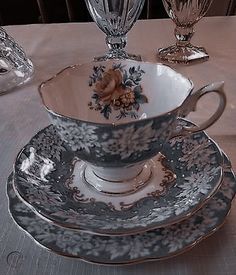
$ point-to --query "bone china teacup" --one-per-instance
(116, 115)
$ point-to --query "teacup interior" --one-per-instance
(115, 91)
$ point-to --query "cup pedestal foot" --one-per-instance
(117, 181)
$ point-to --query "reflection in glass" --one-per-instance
(15, 67)
(115, 18)
(185, 14)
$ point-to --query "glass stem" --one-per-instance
(183, 35)
(116, 43)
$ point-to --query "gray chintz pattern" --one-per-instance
(55, 200)
(156, 244)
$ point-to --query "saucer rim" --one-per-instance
(187, 248)
(122, 231)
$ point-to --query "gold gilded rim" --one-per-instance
(112, 124)
(141, 260)
(122, 233)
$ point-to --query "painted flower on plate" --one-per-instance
(197, 152)
(72, 242)
(44, 196)
(196, 183)
(36, 226)
(117, 248)
(227, 187)
(48, 144)
(174, 237)
(218, 204)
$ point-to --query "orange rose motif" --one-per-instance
(109, 87)
(117, 89)
(125, 101)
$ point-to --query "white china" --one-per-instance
(116, 115)
(51, 179)
(153, 245)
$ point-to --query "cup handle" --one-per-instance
(190, 105)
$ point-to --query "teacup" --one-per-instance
(117, 114)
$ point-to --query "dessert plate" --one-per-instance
(153, 245)
(50, 179)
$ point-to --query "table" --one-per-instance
(55, 46)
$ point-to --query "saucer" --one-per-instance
(153, 245)
(45, 178)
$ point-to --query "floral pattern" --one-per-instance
(129, 141)
(48, 143)
(42, 193)
(197, 183)
(191, 189)
(117, 89)
(195, 152)
(99, 145)
(79, 136)
(156, 244)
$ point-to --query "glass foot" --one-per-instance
(118, 55)
(12, 77)
(181, 54)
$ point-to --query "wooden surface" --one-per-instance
(51, 48)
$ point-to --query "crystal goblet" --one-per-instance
(115, 18)
(185, 14)
(15, 67)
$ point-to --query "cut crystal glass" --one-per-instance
(185, 14)
(115, 18)
(15, 67)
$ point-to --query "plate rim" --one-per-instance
(122, 231)
(141, 259)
